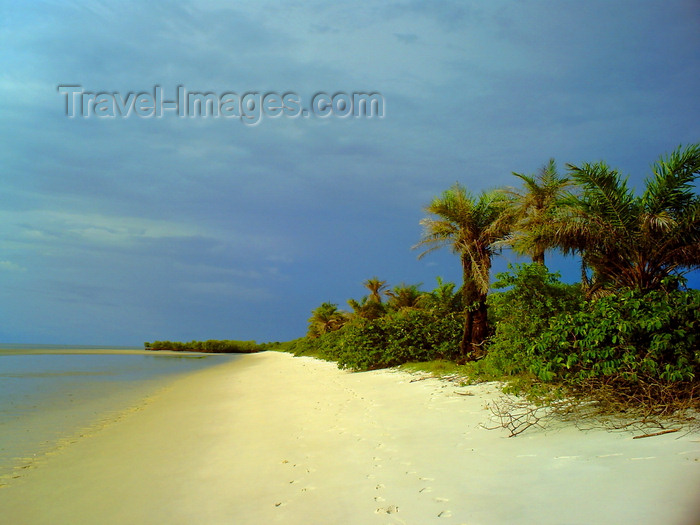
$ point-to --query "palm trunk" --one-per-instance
(479, 330)
(538, 257)
(465, 346)
(475, 318)
(468, 293)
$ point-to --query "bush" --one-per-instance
(521, 314)
(630, 347)
(630, 336)
(401, 337)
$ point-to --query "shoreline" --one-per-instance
(270, 438)
(49, 399)
(98, 351)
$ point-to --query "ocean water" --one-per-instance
(49, 395)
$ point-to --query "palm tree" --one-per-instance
(404, 296)
(376, 288)
(444, 299)
(326, 318)
(634, 241)
(532, 209)
(471, 226)
(367, 308)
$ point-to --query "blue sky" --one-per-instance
(125, 230)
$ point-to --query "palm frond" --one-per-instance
(469, 225)
(628, 240)
(531, 209)
(671, 186)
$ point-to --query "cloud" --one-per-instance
(9, 266)
(171, 216)
(226, 289)
(94, 228)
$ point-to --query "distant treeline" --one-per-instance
(211, 346)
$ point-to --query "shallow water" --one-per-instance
(48, 398)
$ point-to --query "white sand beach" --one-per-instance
(270, 438)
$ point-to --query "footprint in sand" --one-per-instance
(426, 490)
(441, 500)
(391, 509)
(445, 514)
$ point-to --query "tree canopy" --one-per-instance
(628, 240)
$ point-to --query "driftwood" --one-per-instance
(517, 416)
(657, 433)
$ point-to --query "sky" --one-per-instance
(125, 229)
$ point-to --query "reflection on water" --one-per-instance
(47, 397)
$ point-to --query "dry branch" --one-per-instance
(657, 433)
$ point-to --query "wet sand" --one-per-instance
(270, 439)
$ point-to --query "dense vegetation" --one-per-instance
(211, 346)
(410, 326)
(628, 331)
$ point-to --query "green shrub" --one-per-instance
(521, 313)
(546, 329)
(631, 336)
(401, 337)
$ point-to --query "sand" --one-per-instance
(272, 439)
